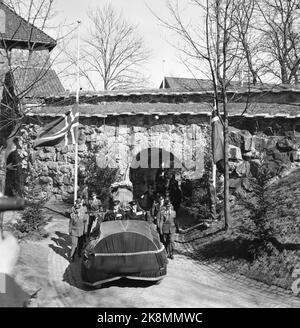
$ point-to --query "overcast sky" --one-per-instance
(136, 12)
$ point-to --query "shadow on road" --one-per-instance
(62, 244)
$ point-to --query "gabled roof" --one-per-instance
(179, 83)
(188, 84)
(36, 82)
(18, 32)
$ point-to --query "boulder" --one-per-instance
(253, 154)
(82, 148)
(66, 180)
(45, 180)
(255, 164)
(243, 169)
(45, 156)
(240, 138)
(283, 157)
(246, 184)
(272, 168)
(262, 142)
(234, 153)
(49, 149)
(234, 183)
(64, 150)
(61, 157)
(286, 144)
(295, 156)
(64, 168)
(52, 166)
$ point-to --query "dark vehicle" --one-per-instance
(125, 249)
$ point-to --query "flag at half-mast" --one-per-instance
(64, 129)
(217, 140)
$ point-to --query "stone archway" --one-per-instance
(149, 164)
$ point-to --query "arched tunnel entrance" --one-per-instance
(151, 172)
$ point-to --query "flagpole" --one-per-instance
(77, 111)
(214, 167)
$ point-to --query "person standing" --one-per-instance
(167, 227)
(156, 208)
(77, 228)
(84, 193)
(95, 205)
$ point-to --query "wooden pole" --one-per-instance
(214, 167)
(226, 167)
(77, 110)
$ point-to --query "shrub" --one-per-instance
(32, 223)
(257, 226)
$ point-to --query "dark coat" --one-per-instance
(167, 221)
(78, 222)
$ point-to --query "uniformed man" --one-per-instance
(167, 227)
(116, 213)
(156, 207)
(77, 227)
(95, 207)
(136, 213)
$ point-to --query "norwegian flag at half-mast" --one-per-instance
(64, 129)
(217, 141)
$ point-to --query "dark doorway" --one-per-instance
(151, 171)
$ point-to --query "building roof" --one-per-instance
(279, 101)
(17, 32)
(162, 109)
(36, 82)
(171, 94)
(189, 84)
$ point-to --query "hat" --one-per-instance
(116, 202)
(133, 202)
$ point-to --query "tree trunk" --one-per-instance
(2, 183)
(226, 166)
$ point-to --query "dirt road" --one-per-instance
(189, 282)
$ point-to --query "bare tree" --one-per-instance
(113, 50)
(280, 27)
(250, 40)
(215, 49)
(19, 48)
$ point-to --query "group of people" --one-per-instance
(164, 216)
(86, 217)
(83, 217)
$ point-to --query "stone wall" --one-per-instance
(116, 142)
(247, 152)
